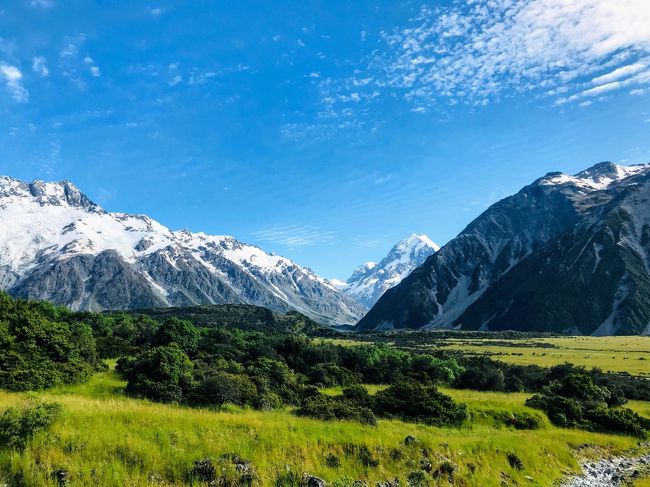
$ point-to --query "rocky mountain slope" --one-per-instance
(59, 246)
(566, 253)
(370, 280)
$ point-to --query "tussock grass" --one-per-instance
(104, 438)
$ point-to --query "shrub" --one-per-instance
(329, 408)
(575, 401)
(562, 411)
(618, 420)
(514, 461)
(37, 353)
(358, 395)
(181, 332)
(221, 387)
(411, 401)
(18, 425)
(332, 461)
(160, 374)
(523, 421)
(482, 375)
(417, 478)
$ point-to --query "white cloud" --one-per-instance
(383, 179)
(12, 78)
(294, 236)
(39, 66)
(42, 3)
(156, 11)
(74, 65)
(618, 73)
(479, 51)
(92, 67)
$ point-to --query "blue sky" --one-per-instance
(323, 131)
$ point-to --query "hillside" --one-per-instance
(66, 249)
(566, 254)
(242, 316)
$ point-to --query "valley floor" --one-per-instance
(106, 439)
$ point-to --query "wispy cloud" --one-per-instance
(77, 66)
(45, 4)
(294, 236)
(39, 66)
(368, 242)
(480, 51)
(12, 77)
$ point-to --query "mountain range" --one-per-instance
(58, 245)
(370, 280)
(565, 254)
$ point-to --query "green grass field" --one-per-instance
(106, 439)
(616, 354)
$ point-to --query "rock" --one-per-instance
(410, 440)
(204, 470)
(312, 481)
(61, 477)
(610, 472)
(389, 483)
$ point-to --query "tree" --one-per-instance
(181, 332)
(160, 374)
(36, 352)
(222, 387)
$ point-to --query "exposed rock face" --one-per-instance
(566, 253)
(57, 245)
(610, 472)
(369, 281)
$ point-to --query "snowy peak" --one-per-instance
(415, 242)
(62, 247)
(369, 281)
(601, 176)
(61, 193)
(567, 254)
(360, 271)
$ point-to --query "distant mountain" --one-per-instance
(59, 246)
(566, 253)
(370, 280)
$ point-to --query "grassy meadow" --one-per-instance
(617, 354)
(104, 438)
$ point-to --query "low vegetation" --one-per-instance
(340, 411)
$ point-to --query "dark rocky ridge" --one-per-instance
(563, 254)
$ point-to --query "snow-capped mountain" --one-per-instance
(57, 245)
(566, 253)
(370, 280)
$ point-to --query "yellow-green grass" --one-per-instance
(617, 354)
(104, 438)
(640, 407)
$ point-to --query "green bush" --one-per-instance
(222, 387)
(181, 332)
(411, 401)
(523, 421)
(575, 401)
(618, 420)
(37, 352)
(329, 408)
(160, 374)
(18, 425)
